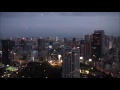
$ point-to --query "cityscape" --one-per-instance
(59, 45)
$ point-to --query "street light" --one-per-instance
(90, 60)
(7, 65)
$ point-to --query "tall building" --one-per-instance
(106, 41)
(71, 63)
(74, 43)
(87, 38)
(85, 49)
(7, 46)
(75, 63)
(96, 47)
(22, 43)
(65, 42)
(67, 59)
(41, 48)
(102, 40)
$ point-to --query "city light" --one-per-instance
(87, 72)
(33, 59)
(81, 57)
(59, 57)
(80, 71)
(90, 60)
(59, 54)
(51, 61)
(7, 65)
(16, 72)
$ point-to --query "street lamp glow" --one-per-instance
(16, 72)
(90, 60)
(81, 57)
(33, 59)
(59, 57)
(7, 65)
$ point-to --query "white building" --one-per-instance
(34, 55)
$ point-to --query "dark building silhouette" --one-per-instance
(75, 63)
(22, 43)
(102, 40)
(51, 43)
(85, 49)
(74, 43)
(67, 57)
(96, 47)
(41, 48)
(7, 46)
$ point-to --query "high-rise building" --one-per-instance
(87, 38)
(65, 42)
(41, 48)
(102, 40)
(74, 43)
(96, 47)
(71, 63)
(67, 59)
(85, 49)
(106, 41)
(75, 63)
(22, 43)
(7, 46)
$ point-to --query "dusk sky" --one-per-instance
(61, 24)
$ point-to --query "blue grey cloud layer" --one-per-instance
(57, 23)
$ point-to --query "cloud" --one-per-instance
(64, 22)
(24, 14)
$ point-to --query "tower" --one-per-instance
(22, 43)
(96, 47)
(71, 63)
(75, 63)
(7, 46)
(67, 57)
(41, 48)
(102, 40)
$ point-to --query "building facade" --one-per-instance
(71, 63)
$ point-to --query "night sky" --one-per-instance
(61, 24)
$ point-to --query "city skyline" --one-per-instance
(61, 24)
